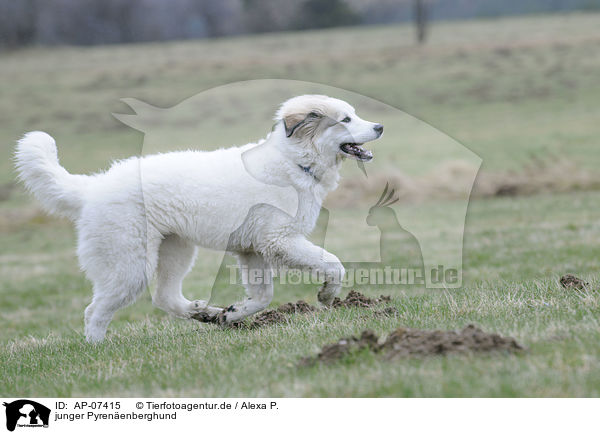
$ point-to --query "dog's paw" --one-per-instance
(224, 317)
(228, 318)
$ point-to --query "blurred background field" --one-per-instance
(521, 92)
(482, 82)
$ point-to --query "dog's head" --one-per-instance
(327, 125)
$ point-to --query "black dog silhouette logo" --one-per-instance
(26, 413)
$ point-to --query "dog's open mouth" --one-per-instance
(354, 150)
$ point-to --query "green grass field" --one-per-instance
(520, 92)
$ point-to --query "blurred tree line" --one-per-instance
(89, 22)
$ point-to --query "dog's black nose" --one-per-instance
(378, 129)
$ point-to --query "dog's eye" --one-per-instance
(313, 115)
(346, 119)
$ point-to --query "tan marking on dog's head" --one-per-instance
(302, 114)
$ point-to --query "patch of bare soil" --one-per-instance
(405, 342)
(267, 317)
(568, 281)
(275, 316)
(356, 299)
(368, 339)
(299, 307)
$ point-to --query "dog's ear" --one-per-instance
(293, 121)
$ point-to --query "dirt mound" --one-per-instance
(356, 299)
(299, 307)
(276, 316)
(332, 352)
(568, 281)
(266, 318)
(261, 319)
(404, 342)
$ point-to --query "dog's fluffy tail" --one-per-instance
(38, 168)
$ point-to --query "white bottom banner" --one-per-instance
(41, 415)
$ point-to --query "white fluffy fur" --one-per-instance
(145, 216)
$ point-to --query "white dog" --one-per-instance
(146, 215)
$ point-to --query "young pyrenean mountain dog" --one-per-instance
(146, 216)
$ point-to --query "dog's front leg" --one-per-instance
(299, 253)
(257, 278)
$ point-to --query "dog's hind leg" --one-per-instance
(257, 278)
(100, 312)
(175, 259)
(119, 268)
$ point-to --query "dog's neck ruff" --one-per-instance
(308, 170)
